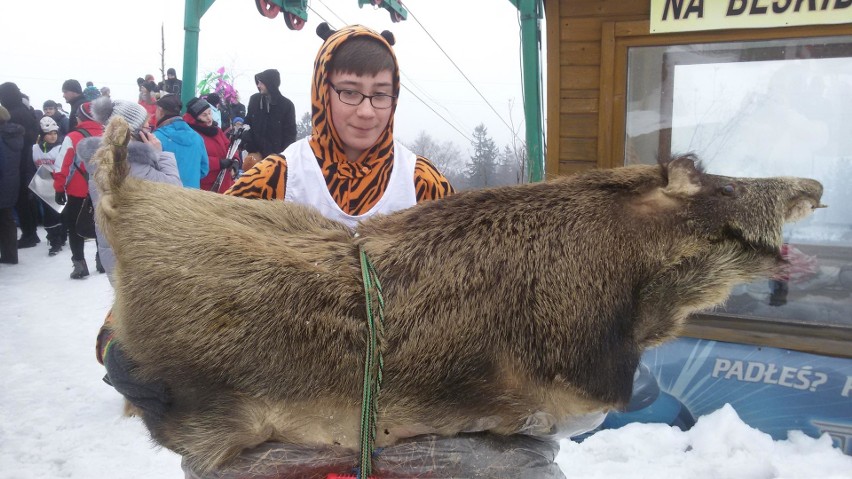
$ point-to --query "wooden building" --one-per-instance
(612, 98)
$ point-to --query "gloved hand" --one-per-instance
(152, 397)
(60, 197)
(225, 163)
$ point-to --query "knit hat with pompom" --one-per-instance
(105, 108)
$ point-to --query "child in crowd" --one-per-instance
(46, 152)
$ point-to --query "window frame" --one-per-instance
(616, 39)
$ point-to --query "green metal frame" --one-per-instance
(532, 11)
(193, 11)
(397, 12)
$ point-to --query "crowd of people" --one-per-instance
(198, 134)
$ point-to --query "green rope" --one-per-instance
(373, 364)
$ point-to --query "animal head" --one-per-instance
(751, 211)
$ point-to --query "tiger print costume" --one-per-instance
(355, 187)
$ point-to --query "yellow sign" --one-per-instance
(693, 15)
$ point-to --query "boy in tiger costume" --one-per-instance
(350, 167)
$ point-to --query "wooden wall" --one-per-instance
(574, 79)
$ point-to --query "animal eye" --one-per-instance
(728, 190)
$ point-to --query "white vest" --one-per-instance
(306, 184)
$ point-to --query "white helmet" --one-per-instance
(47, 124)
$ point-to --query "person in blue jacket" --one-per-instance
(179, 138)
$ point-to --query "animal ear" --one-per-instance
(324, 31)
(387, 35)
(684, 179)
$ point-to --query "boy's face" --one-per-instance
(261, 87)
(49, 111)
(359, 126)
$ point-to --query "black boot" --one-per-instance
(98, 265)
(81, 270)
(28, 241)
(54, 239)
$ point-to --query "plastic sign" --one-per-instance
(773, 390)
(669, 16)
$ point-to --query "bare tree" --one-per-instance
(162, 52)
(519, 150)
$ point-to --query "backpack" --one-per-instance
(76, 165)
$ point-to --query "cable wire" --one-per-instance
(462, 73)
(400, 83)
(332, 12)
(433, 110)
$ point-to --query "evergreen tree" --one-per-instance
(482, 169)
(511, 167)
(303, 127)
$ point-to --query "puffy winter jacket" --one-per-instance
(145, 163)
(77, 187)
(188, 147)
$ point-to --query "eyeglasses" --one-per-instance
(354, 98)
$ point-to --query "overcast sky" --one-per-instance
(113, 42)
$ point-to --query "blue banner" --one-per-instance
(773, 390)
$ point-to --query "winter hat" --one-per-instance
(196, 107)
(50, 104)
(4, 114)
(213, 99)
(104, 109)
(171, 71)
(84, 111)
(170, 103)
(47, 124)
(91, 93)
(237, 119)
(73, 86)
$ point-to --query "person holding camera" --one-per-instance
(199, 116)
(145, 156)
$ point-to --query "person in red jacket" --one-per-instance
(199, 116)
(72, 186)
(148, 99)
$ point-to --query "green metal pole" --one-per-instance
(193, 11)
(530, 57)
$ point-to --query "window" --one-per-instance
(761, 108)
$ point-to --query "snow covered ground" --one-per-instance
(59, 420)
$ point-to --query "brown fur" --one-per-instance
(500, 303)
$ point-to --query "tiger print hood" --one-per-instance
(324, 138)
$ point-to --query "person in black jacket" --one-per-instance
(11, 148)
(171, 84)
(73, 94)
(27, 206)
(271, 115)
